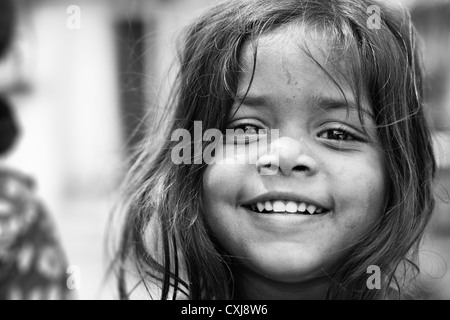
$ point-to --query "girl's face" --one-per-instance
(326, 164)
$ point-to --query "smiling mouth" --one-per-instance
(286, 207)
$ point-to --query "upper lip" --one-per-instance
(288, 196)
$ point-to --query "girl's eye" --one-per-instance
(337, 134)
(244, 133)
(247, 129)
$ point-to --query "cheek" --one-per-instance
(220, 181)
(361, 189)
(223, 180)
(220, 190)
(221, 187)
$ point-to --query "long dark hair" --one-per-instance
(165, 239)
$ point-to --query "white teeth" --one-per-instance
(278, 206)
(260, 206)
(286, 207)
(311, 209)
(302, 207)
(291, 206)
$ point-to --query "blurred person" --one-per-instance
(32, 262)
(349, 190)
(432, 20)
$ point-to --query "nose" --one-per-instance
(288, 156)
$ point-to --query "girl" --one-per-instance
(348, 192)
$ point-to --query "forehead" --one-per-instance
(298, 56)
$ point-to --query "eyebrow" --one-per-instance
(325, 103)
(252, 101)
(328, 104)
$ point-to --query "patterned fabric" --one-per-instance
(33, 265)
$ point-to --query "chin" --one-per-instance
(292, 269)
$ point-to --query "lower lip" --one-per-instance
(286, 220)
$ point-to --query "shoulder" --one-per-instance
(140, 291)
(145, 289)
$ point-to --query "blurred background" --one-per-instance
(81, 75)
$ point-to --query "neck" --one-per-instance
(251, 286)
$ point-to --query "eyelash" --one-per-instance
(348, 135)
(342, 131)
(245, 127)
(244, 137)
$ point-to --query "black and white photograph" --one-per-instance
(223, 150)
